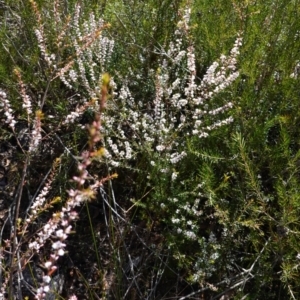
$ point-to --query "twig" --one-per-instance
(13, 237)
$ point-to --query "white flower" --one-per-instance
(60, 234)
(48, 264)
(58, 245)
(34, 245)
(160, 148)
(190, 235)
(61, 252)
(182, 102)
(46, 288)
(175, 221)
(46, 279)
(174, 175)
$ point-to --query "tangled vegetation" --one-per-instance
(149, 150)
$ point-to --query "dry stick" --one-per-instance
(291, 292)
(45, 94)
(130, 267)
(238, 283)
(14, 233)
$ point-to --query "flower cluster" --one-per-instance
(93, 53)
(40, 35)
(39, 203)
(220, 74)
(206, 264)
(74, 115)
(36, 134)
(51, 230)
(4, 103)
(58, 227)
(296, 71)
(25, 98)
(180, 105)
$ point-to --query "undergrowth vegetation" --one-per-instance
(149, 150)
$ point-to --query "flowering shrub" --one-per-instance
(157, 134)
(126, 127)
(59, 226)
(207, 163)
